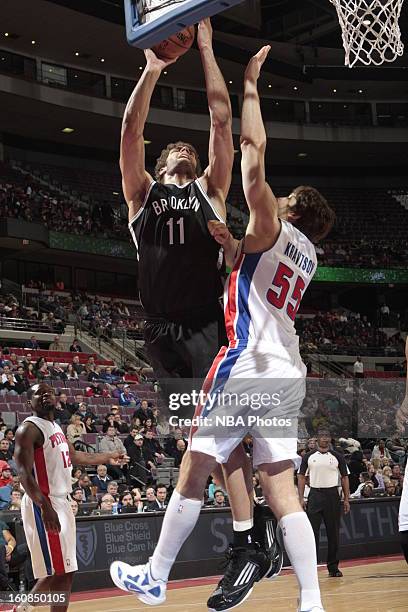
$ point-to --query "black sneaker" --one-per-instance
(244, 566)
(267, 534)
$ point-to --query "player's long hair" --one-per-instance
(316, 217)
(162, 160)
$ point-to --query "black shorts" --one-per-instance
(185, 349)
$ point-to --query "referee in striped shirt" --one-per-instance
(323, 466)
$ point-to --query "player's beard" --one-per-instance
(183, 167)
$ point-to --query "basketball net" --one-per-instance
(371, 33)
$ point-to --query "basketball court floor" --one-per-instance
(374, 585)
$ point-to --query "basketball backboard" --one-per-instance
(148, 22)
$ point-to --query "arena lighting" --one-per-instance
(295, 88)
(77, 53)
(115, 192)
(230, 82)
(302, 155)
(6, 34)
(269, 85)
(102, 59)
(165, 72)
(33, 42)
(334, 90)
(147, 142)
(67, 130)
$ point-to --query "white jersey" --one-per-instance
(52, 463)
(403, 509)
(264, 290)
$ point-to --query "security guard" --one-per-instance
(323, 466)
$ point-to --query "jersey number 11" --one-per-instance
(180, 223)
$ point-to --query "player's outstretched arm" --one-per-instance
(82, 458)
(402, 413)
(135, 179)
(27, 436)
(263, 227)
(221, 146)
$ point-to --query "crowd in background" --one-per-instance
(33, 202)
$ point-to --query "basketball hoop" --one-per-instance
(371, 33)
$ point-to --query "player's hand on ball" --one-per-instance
(158, 63)
(50, 519)
(118, 459)
(254, 67)
(219, 231)
(204, 33)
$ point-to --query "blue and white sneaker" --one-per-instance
(138, 580)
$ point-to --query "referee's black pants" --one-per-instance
(324, 504)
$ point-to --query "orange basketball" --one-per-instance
(175, 45)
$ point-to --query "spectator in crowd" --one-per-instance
(101, 479)
(75, 431)
(364, 479)
(71, 373)
(30, 374)
(10, 437)
(112, 443)
(126, 503)
(358, 368)
(75, 476)
(74, 506)
(150, 505)
(390, 489)
(21, 380)
(113, 489)
(131, 438)
(57, 372)
(6, 484)
(56, 344)
(75, 346)
(108, 422)
(105, 505)
(84, 483)
(380, 451)
(178, 452)
(356, 467)
(32, 344)
(63, 410)
(139, 472)
(144, 412)
(127, 397)
(121, 426)
(11, 556)
(15, 500)
(89, 425)
(77, 365)
(7, 371)
(171, 443)
(219, 499)
(77, 494)
(5, 452)
(153, 448)
(397, 449)
(10, 386)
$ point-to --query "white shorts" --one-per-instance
(248, 372)
(403, 509)
(50, 553)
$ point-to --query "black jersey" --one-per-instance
(179, 261)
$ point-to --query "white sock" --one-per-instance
(179, 521)
(300, 545)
